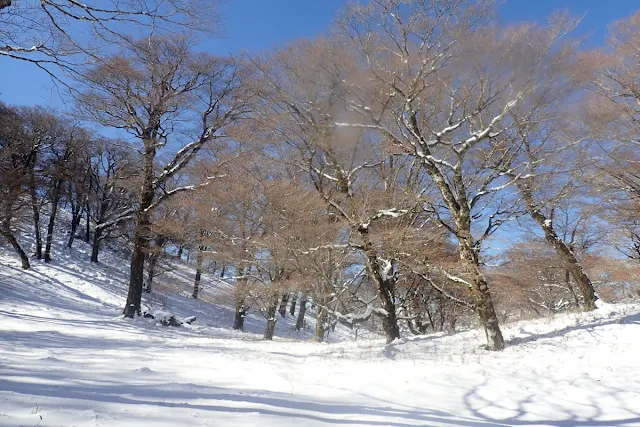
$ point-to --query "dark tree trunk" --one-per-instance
(240, 295)
(75, 223)
(95, 246)
(180, 250)
(142, 232)
(301, 312)
(271, 319)
(390, 319)
(241, 312)
(55, 200)
(8, 234)
(385, 286)
(35, 208)
(292, 307)
(196, 282)
(24, 259)
(151, 271)
(283, 305)
(136, 273)
(87, 231)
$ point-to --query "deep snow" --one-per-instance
(68, 359)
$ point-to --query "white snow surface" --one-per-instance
(67, 358)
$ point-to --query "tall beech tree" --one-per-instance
(439, 80)
(169, 98)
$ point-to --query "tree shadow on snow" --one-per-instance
(523, 409)
(263, 403)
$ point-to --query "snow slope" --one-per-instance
(68, 359)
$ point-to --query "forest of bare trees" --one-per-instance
(421, 168)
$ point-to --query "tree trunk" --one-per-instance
(385, 279)
(567, 280)
(8, 234)
(24, 259)
(55, 200)
(142, 233)
(196, 282)
(271, 318)
(301, 313)
(136, 273)
(390, 319)
(292, 307)
(283, 305)
(180, 250)
(565, 252)
(35, 208)
(151, 271)
(75, 222)
(87, 232)
(95, 246)
(241, 312)
(321, 321)
(480, 292)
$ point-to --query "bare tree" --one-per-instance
(350, 170)
(433, 88)
(164, 95)
(68, 143)
(63, 34)
(109, 202)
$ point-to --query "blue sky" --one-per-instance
(262, 24)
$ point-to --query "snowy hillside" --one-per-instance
(68, 359)
(103, 286)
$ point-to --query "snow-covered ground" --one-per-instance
(68, 359)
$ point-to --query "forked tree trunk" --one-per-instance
(55, 200)
(196, 282)
(301, 313)
(283, 305)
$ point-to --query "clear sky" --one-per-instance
(262, 24)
